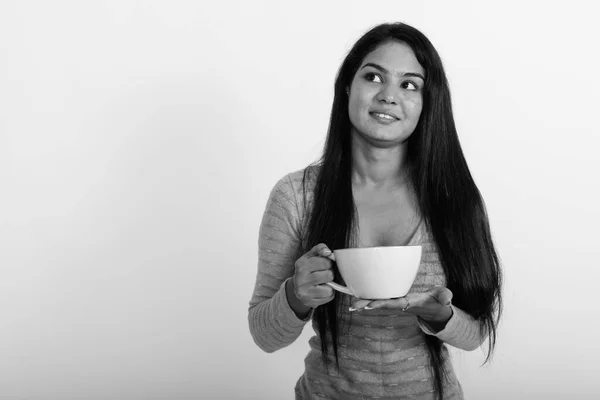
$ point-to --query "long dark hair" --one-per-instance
(449, 201)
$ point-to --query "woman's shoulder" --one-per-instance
(296, 182)
(309, 173)
(294, 192)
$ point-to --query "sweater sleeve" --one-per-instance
(273, 324)
(461, 331)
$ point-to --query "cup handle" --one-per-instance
(340, 288)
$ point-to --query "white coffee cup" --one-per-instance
(377, 273)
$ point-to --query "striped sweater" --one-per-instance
(382, 352)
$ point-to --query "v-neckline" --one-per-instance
(415, 239)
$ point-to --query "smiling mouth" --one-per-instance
(384, 117)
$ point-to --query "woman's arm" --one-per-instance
(461, 330)
(273, 323)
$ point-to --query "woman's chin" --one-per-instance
(387, 139)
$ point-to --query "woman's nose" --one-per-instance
(388, 95)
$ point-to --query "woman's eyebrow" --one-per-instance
(379, 67)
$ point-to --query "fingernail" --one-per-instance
(326, 252)
(352, 309)
(369, 308)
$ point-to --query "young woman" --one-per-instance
(392, 174)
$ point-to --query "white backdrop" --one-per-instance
(139, 142)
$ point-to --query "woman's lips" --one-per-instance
(383, 117)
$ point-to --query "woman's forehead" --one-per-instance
(395, 57)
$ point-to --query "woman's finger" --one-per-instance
(400, 303)
(330, 256)
(442, 294)
(406, 303)
(360, 304)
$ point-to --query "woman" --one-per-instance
(392, 174)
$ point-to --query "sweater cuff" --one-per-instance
(460, 328)
(284, 309)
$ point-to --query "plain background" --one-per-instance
(139, 142)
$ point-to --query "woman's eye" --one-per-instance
(373, 77)
(409, 85)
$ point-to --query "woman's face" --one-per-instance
(386, 97)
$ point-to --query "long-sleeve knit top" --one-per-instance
(382, 352)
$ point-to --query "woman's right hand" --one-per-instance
(312, 271)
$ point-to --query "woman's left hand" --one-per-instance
(432, 306)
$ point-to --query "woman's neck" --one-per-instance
(376, 167)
